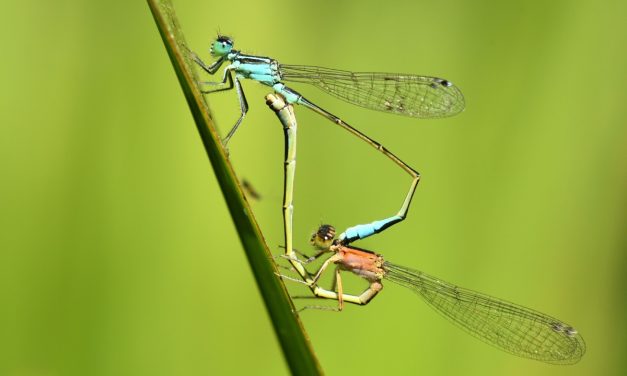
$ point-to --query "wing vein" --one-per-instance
(510, 327)
(401, 94)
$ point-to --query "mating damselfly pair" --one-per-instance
(518, 330)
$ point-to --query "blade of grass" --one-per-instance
(287, 326)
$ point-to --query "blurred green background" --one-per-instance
(118, 254)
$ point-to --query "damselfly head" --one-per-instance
(221, 46)
(323, 238)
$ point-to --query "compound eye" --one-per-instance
(226, 41)
(221, 46)
(323, 238)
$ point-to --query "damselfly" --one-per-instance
(507, 326)
(402, 94)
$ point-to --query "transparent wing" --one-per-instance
(510, 327)
(402, 94)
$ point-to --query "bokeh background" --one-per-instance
(118, 254)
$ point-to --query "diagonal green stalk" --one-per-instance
(288, 328)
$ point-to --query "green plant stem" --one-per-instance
(288, 328)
